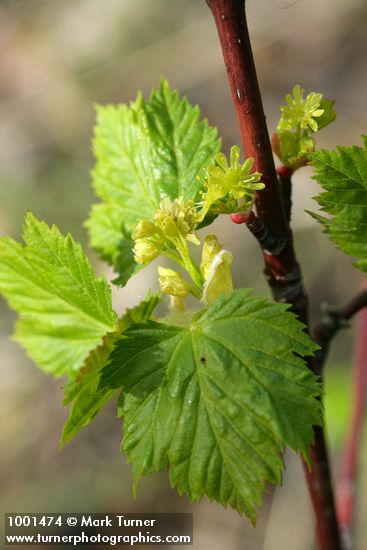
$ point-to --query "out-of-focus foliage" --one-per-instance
(342, 174)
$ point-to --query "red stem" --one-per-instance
(332, 321)
(281, 269)
(285, 181)
(349, 464)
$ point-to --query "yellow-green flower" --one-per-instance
(172, 282)
(230, 187)
(174, 224)
(149, 240)
(177, 219)
(301, 111)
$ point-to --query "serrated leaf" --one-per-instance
(217, 401)
(143, 152)
(125, 262)
(88, 399)
(342, 173)
(64, 308)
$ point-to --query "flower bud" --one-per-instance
(211, 247)
(145, 251)
(172, 282)
(219, 277)
(143, 229)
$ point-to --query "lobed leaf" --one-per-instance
(217, 401)
(64, 309)
(342, 174)
(144, 151)
(87, 397)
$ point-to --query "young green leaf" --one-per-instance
(64, 309)
(342, 173)
(329, 115)
(217, 401)
(88, 399)
(145, 151)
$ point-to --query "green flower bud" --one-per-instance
(292, 150)
(211, 247)
(219, 277)
(172, 282)
(145, 251)
(144, 229)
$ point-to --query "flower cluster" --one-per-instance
(301, 117)
(301, 111)
(216, 274)
(230, 187)
(173, 224)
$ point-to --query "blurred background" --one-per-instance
(58, 59)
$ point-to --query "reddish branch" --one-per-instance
(268, 242)
(324, 332)
(334, 320)
(281, 269)
(345, 490)
(285, 181)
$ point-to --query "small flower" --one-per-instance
(229, 186)
(177, 219)
(174, 224)
(301, 111)
(301, 117)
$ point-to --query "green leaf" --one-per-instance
(64, 309)
(217, 401)
(329, 115)
(342, 174)
(126, 265)
(144, 151)
(88, 399)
